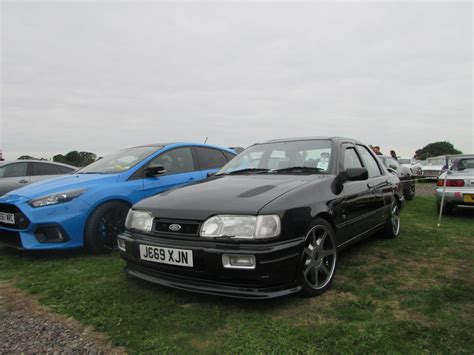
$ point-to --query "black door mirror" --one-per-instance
(351, 174)
(154, 170)
(357, 174)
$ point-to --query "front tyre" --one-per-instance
(319, 259)
(392, 227)
(103, 226)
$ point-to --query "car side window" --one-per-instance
(228, 155)
(210, 158)
(65, 169)
(45, 169)
(14, 170)
(175, 161)
(351, 159)
(392, 163)
(369, 162)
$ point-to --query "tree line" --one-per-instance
(73, 158)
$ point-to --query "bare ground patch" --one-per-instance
(28, 327)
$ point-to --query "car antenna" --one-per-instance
(205, 140)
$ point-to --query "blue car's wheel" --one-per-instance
(104, 224)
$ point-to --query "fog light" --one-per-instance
(121, 244)
(237, 261)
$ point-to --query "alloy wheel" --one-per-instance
(319, 261)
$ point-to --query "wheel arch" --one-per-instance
(328, 218)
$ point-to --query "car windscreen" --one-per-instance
(314, 155)
(119, 162)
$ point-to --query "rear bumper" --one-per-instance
(274, 274)
(456, 195)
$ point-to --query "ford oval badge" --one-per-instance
(174, 227)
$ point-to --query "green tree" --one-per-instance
(436, 148)
(29, 157)
(76, 158)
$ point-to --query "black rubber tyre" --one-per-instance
(103, 225)
(410, 194)
(318, 260)
(392, 227)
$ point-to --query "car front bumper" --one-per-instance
(39, 224)
(274, 275)
(457, 196)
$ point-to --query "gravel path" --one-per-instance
(28, 327)
(425, 188)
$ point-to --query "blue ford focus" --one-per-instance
(89, 207)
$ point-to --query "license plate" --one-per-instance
(468, 198)
(166, 255)
(8, 218)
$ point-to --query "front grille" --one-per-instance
(11, 239)
(21, 221)
(186, 227)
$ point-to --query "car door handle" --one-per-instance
(191, 179)
(23, 181)
(370, 186)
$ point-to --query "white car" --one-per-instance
(433, 167)
(459, 184)
(411, 163)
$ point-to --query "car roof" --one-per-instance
(37, 161)
(162, 145)
(333, 138)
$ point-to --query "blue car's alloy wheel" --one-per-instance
(104, 224)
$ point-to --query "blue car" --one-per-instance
(89, 207)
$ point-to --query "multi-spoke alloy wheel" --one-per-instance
(319, 258)
(392, 228)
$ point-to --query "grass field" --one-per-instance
(409, 295)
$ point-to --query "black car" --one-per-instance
(269, 223)
(407, 180)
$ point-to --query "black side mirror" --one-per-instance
(154, 170)
(351, 174)
(357, 174)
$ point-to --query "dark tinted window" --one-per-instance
(369, 162)
(351, 159)
(45, 169)
(228, 155)
(179, 160)
(14, 170)
(210, 158)
(65, 170)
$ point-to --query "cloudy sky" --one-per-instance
(100, 76)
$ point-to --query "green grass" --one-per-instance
(414, 294)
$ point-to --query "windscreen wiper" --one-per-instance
(246, 170)
(305, 169)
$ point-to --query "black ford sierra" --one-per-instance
(269, 223)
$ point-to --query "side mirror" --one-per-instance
(351, 174)
(394, 167)
(357, 174)
(154, 170)
(211, 174)
(390, 170)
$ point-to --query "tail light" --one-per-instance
(451, 183)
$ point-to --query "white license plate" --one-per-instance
(7, 218)
(166, 255)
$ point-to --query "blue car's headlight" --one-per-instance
(56, 198)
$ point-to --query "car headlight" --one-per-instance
(245, 227)
(54, 199)
(140, 220)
